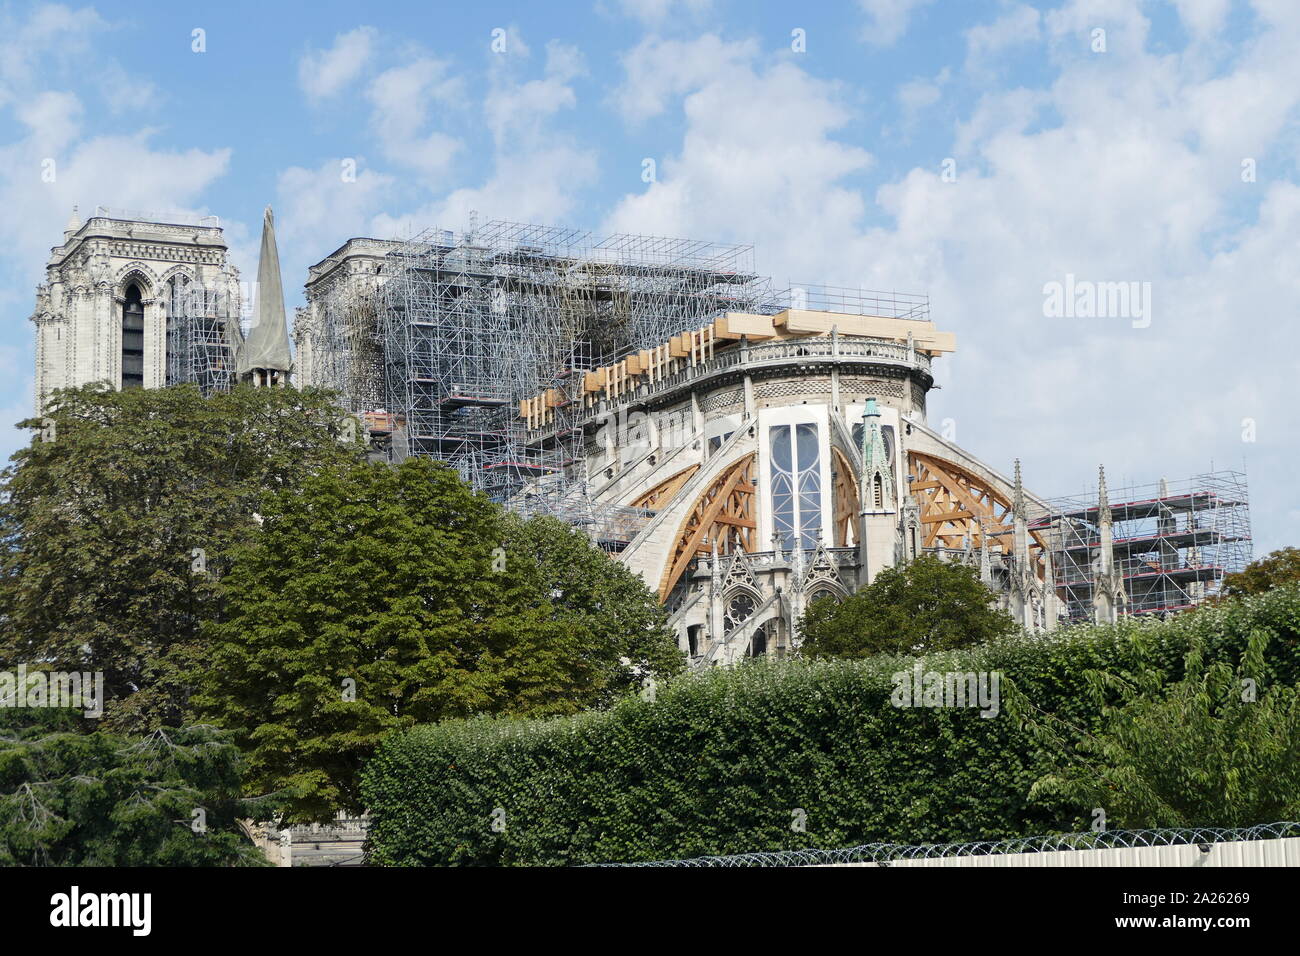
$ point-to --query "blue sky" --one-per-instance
(974, 151)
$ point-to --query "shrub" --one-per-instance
(729, 761)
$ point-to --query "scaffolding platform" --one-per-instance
(1154, 507)
(1172, 542)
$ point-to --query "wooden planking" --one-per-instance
(924, 335)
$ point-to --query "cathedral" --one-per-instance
(746, 451)
(783, 459)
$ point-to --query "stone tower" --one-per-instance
(136, 303)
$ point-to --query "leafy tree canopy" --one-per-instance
(1270, 571)
(376, 598)
(919, 607)
(1219, 748)
(117, 520)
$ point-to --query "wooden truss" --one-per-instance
(666, 490)
(845, 495)
(725, 513)
(955, 503)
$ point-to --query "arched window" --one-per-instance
(823, 594)
(133, 338)
(758, 645)
(796, 484)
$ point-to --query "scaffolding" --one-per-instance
(469, 325)
(610, 526)
(850, 301)
(1173, 542)
(200, 344)
(346, 345)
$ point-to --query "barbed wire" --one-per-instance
(883, 854)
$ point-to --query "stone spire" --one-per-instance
(1107, 590)
(878, 538)
(717, 627)
(876, 473)
(1022, 579)
(74, 223)
(1020, 519)
(264, 358)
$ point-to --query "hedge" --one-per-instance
(726, 761)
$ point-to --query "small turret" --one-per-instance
(878, 538)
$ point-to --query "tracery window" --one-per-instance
(823, 594)
(796, 484)
(740, 606)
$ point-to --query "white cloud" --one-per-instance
(888, 20)
(537, 170)
(1121, 167)
(124, 172)
(1019, 25)
(333, 200)
(53, 120)
(1203, 18)
(656, 70)
(916, 96)
(657, 12)
(511, 107)
(756, 159)
(401, 98)
(323, 73)
(53, 37)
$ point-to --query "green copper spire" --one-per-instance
(877, 480)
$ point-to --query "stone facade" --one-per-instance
(102, 314)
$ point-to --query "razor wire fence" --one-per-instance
(882, 854)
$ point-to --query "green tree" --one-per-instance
(1270, 571)
(379, 598)
(118, 519)
(602, 629)
(1215, 749)
(68, 798)
(922, 606)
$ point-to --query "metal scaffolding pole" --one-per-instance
(470, 324)
(200, 343)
